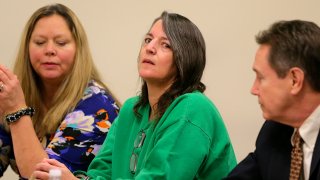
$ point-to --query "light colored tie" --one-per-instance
(296, 157)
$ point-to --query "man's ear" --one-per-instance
(297, 77)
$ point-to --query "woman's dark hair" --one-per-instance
(189, 56)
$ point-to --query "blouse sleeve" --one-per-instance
(5, 150)
(83, 131)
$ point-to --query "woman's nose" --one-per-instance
(50, 50)
(151, 48)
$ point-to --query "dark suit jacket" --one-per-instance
(271, 158)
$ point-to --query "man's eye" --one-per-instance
(259, 77)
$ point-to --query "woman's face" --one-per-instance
(156, 64)
(52, 49)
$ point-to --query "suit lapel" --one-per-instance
(315, 157)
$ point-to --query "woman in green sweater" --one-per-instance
(171, 130)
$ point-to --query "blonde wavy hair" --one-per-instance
(72, 88)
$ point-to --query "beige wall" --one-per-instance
(116, 28)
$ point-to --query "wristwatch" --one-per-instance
(13, 117)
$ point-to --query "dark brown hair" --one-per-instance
(189, 56)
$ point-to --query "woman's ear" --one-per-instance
(297, 77)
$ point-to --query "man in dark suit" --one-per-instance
(287, 84)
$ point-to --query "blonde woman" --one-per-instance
(54, 104)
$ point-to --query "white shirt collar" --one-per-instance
(309, 130)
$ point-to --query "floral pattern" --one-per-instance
(79, 136)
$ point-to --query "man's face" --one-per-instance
(272, 91)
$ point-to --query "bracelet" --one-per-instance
(13, 117)
(81, 175)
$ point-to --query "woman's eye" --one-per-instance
(39, 42)
(61, 43)
(166, 45)
(147, 40)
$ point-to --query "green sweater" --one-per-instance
(190, 141)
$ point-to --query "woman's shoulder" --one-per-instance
(194, 107)
(95, 93)
(130, 102)
(94, 88)
(195, 99)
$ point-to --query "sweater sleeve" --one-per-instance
(101, 167)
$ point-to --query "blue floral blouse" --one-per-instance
(79, 136)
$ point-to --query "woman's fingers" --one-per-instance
(40, 175)
(43, 168)
(54, 163)
(5, 74)
(11, 95)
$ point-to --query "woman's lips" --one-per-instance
(147, 61)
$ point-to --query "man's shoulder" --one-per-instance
(274, 134)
